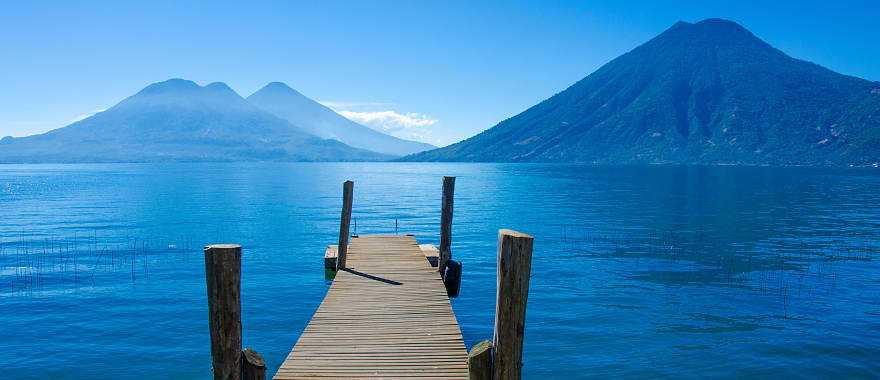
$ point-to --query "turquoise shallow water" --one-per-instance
(679, 272)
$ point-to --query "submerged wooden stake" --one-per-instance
(223, 275)
(344, 221)
(446, 222)
(514, 267)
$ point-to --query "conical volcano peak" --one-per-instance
(170, 86)
(720, 23)
(710, 24)
(278, 86)
(716, 29)
(218, 86)
(182, 92)
(176, 83)
(283, 101)
(723, 27)
(277, 89)
(709, 92)
(220, 89)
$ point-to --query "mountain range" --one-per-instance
(709, 92)
(178, 120)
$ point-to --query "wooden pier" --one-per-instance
(387, 312)
(386, 315)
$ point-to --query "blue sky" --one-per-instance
(435, 71)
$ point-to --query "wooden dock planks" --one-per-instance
(386, 316)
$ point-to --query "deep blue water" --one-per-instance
(680, 272)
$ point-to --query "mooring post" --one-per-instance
(344, 221)
(446, 223)
(514, 268)
(480, 361)
(223, 275)
(252, 365)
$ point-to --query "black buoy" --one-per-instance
(452, 278)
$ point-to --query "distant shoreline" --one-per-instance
(584, 164)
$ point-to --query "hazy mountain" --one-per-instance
(178, 120)
(706, 93)
(285, 102)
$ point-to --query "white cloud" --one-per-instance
(85, 115)
(390, 121)
(382, 117)
(354, 105)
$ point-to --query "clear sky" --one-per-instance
(436, 71)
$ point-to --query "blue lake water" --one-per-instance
(679, 272)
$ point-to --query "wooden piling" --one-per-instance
(480, 361)
(431, 253)
(330, 256)
(223, 275)
(252, 365)
(514, 268)
(446, 222)
(344, 221)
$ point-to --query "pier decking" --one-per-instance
(386, 315)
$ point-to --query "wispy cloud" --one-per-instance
(383, 117)
(354, 105)
(390, 121)
(85, 115)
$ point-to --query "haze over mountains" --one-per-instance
(178, 120)
(319, 120)
(704, 93)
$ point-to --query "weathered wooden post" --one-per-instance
(344, 221)
(446, 222)
(252, 365)
(514, 268)
(223, 275)
(480, 361)
(330, 256)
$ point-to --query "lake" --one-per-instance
(638, 272)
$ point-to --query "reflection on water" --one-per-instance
(638, 271)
